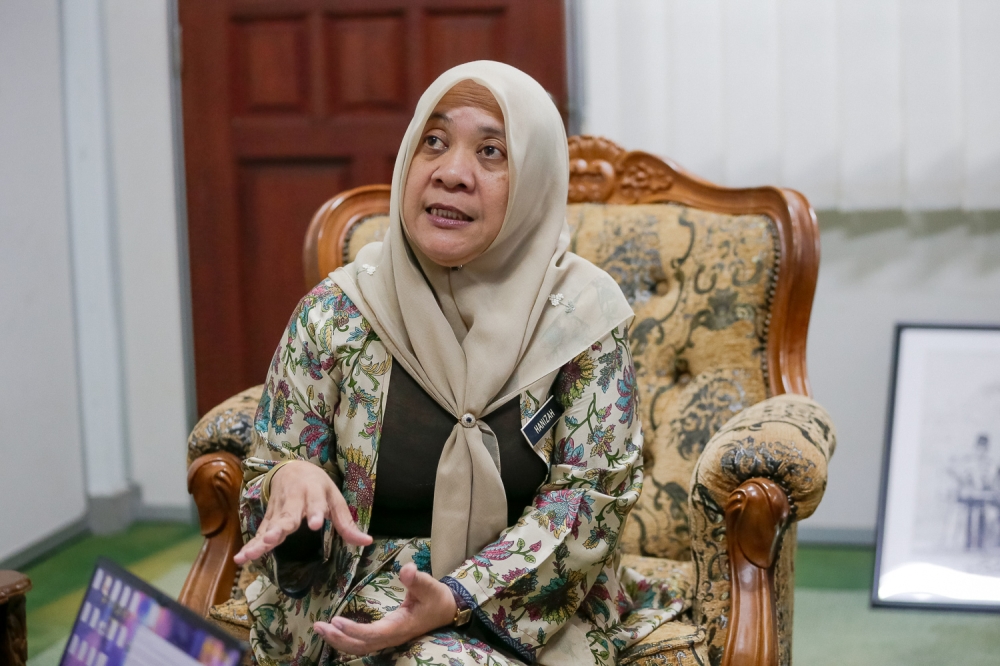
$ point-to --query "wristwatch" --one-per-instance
(462, 616)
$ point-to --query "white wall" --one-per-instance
(860, 104)
(879, 269)
(91, 259)
(41, 475)
(139, 71)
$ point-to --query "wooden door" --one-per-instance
(288, 102)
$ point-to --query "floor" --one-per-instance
(834, 624)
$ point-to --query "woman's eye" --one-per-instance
(492, 152)
(433, 142)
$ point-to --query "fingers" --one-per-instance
(305, 492)
(355, 638)
(417, 583)
(316, 510)
(283, 517)
(339, 641)
(408, 574)
(343, 521)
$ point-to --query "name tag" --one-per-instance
(543, 420)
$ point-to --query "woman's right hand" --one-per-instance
(300, 490)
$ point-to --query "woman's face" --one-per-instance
(455, 197)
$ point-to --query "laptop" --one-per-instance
(124, 621)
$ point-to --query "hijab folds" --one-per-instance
(475, 337)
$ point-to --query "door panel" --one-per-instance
(278, 200)
(287, 103)
(270, 62)
(457, 37)
(367, 63)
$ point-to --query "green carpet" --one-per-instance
(834, 624)
(839, 628)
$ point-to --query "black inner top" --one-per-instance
(414, 431)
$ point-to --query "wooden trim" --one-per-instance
(603, 172)
(757, 515)
(214, 480)
(323, 250)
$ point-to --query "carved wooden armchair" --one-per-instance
(722, 282)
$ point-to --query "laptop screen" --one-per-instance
(124, 621)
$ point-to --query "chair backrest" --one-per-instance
(721, 281)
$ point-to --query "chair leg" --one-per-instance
(215, 480)
(757, 515)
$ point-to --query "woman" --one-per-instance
(484, 372)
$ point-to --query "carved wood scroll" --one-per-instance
(214, 480)
(601, 171)
(756, 518)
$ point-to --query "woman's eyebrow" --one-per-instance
(492, 130)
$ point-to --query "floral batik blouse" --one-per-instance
(549, 589)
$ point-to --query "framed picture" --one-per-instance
(939, 517)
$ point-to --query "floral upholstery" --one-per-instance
(701, 285)
(226, 427)
(788, 439)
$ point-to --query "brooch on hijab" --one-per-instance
(368, 268)
(557, 299)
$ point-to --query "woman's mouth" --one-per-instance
(447, 217)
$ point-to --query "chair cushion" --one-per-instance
(673, 643)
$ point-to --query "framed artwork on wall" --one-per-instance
(938, 540)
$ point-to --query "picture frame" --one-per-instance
(938, 536)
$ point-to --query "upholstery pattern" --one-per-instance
(788, 439)
(700, 284)
(226, 427)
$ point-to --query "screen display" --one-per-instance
(123, 621)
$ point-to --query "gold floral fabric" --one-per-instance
(788, 439)
(700, 284)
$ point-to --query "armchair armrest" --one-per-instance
(765, 469)
(216, 448)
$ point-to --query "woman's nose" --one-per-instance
(457, 170)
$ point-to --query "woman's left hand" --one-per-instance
(429, 604)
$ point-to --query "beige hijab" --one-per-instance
(508, 333)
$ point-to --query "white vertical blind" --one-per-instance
(861, 104)
(810, 136)
(981, 102)
(751, 94)
(695, 88)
